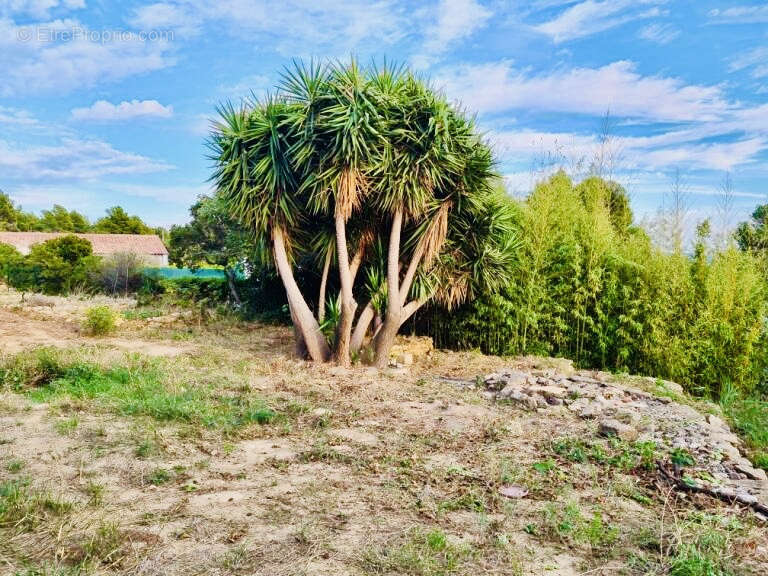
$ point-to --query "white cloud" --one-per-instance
(292, 26)
(712, 156)
(755, 14)
(16, 117)
(616, 87)
(590, 17)
(756, 60)
(456, 21)
(103, 111)
(62, 55)
(72, 159)
(659, 33)
(38, 8)
(682, 148)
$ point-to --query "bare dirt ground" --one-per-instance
(362, 472)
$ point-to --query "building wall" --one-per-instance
(147, 259)
(156, 260)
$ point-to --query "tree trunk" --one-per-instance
(232, 288)
(348, 304)
(323, 287)
(384, 340)
(299, 344)
(304, 320)
(386, 336)
(358, 336)
(410, 274)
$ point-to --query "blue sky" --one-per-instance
(105, 103)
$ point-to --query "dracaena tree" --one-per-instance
(364, 169)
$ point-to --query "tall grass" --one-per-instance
(590, 286)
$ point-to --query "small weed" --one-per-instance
(104, 545)
(545, 466)
(321, 452)
(14, 465)
(95, 492)
(237, 559)
(615, 453)
(146, 448)
(531, 529)
(568, 524)
(159, 476)
(67, 426)
(681, 457)
(467, 501)
(570, 448)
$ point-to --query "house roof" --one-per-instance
(102, 243)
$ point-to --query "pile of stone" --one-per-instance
(720, 468)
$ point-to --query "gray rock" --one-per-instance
(746, 498)
(614, 428)
(745, 467)
(591, 410)
(521, 398)
(716, 422)
(511, 378)
(549, 391)
(582, 379)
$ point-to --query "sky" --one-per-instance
(105, 103)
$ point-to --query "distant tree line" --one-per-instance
(58, 219)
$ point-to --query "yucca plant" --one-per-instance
(381, 159)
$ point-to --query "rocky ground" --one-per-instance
(698, 450)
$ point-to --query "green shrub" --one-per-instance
(262, 294)
(58, 266)
(99, 321)
(35, 368)
(9, 258)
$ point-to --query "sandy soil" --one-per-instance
(361, 462)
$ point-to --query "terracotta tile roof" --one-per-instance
(102, 243)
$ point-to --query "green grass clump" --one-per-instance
(704, 546)
(159, 476)
(139, 388)
(35, 368)
(142, 314)
(571, 526)
(67, 426)
(614, 452)
(749, 418)
(100, 321)
(22, 509)
(423, 553)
